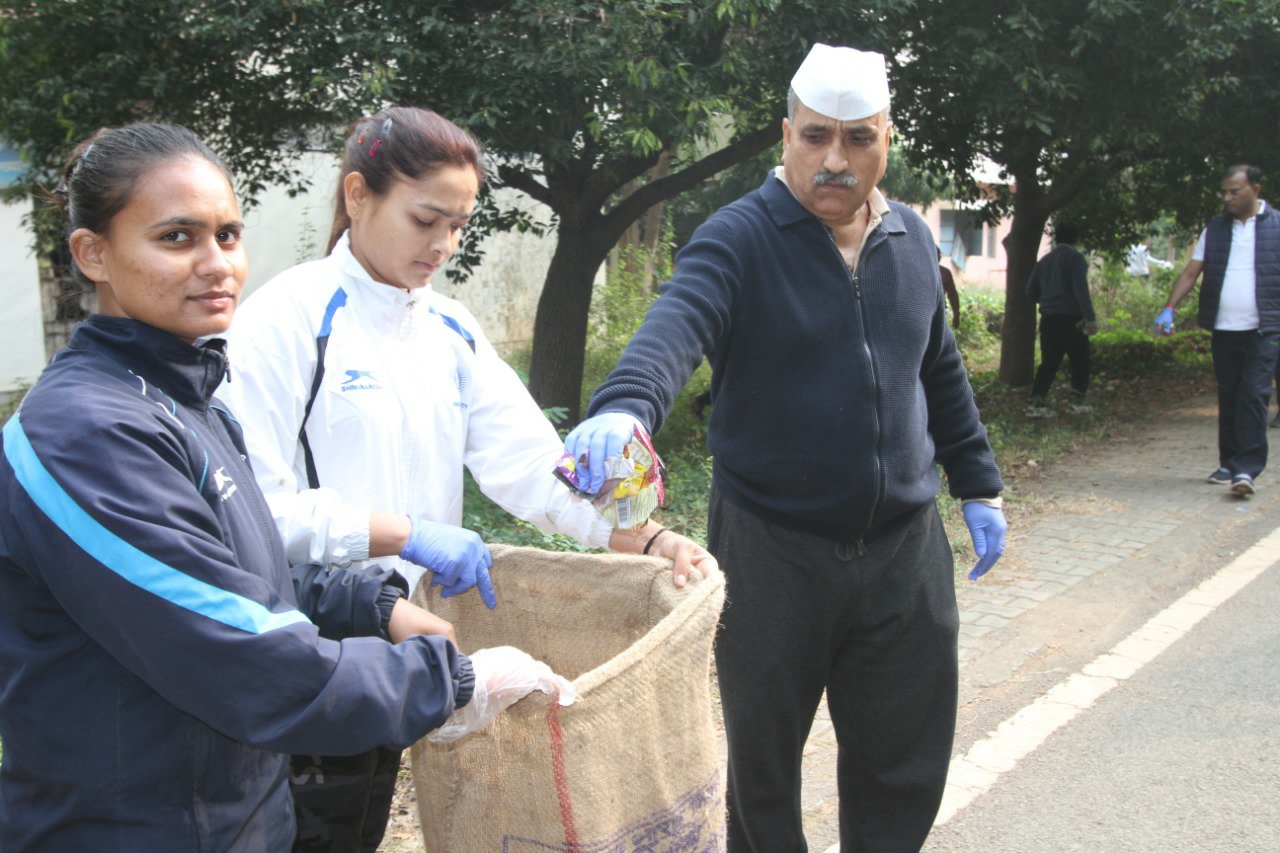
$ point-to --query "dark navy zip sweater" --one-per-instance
(834, 392)
(155, 667)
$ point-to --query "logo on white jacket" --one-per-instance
(223, 484)
(360, 380)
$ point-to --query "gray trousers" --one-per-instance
(878, 633)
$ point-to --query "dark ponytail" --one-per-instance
(400, 142)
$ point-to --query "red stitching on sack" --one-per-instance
(562, 781)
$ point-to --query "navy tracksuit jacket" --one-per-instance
(156, 662)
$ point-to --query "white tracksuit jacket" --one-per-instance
(411, 392)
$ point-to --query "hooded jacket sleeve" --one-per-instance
(107, 516)
(274, 355)
(348, 602)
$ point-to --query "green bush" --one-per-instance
(9, 402)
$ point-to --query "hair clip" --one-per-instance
(360, 138)
(386, 128)
(85, 155)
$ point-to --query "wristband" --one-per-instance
(996, 502)
(652, 539)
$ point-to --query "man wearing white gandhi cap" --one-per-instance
(837, 389)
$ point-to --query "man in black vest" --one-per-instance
(1239, 253)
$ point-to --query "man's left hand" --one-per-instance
(987, 526)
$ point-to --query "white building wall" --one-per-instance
(21, 332)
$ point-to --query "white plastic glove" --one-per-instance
(504, 676)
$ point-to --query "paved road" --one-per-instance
(1098, 546)
(1185, 755)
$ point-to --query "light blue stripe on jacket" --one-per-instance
(117, 555)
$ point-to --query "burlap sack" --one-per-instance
(633, 765)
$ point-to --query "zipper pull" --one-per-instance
(857, 287)
(862, 548)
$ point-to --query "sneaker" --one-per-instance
(1242, 485)
(1220, 477)
(1079, 408)
(1038, 409)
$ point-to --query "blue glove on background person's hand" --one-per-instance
(987, 526)
(1164, 320)
(457, 558)
(597, 439)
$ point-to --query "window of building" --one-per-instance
(959, 237)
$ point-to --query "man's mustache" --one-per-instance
(842, 178)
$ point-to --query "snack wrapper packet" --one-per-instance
(632, 487)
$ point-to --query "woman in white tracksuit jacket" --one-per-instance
(363, 393)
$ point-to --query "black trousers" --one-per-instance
(1060, 336)
(1244, 364)
(342, 803)
(878, 633)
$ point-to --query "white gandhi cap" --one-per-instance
(842, 83)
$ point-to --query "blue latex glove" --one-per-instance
(457, 558)
(1164, 321)
(597, 439)
(987, 527)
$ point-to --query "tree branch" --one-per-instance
(519, 179)
(629, 209)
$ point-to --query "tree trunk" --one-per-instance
(560, 329)
(1018, 336)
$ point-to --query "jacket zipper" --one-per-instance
(875, 383)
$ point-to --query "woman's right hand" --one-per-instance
(504, 676)
(457, 558)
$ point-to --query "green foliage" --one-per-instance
(9, 404)
(621, 302)
(1098, 110)
(909, 184)
(575, 102)
(978, 335)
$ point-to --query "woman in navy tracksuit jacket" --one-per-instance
(158, 661)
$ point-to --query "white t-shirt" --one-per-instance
(1238, 306)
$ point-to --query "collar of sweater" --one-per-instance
(188, 373)
(786, 209)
